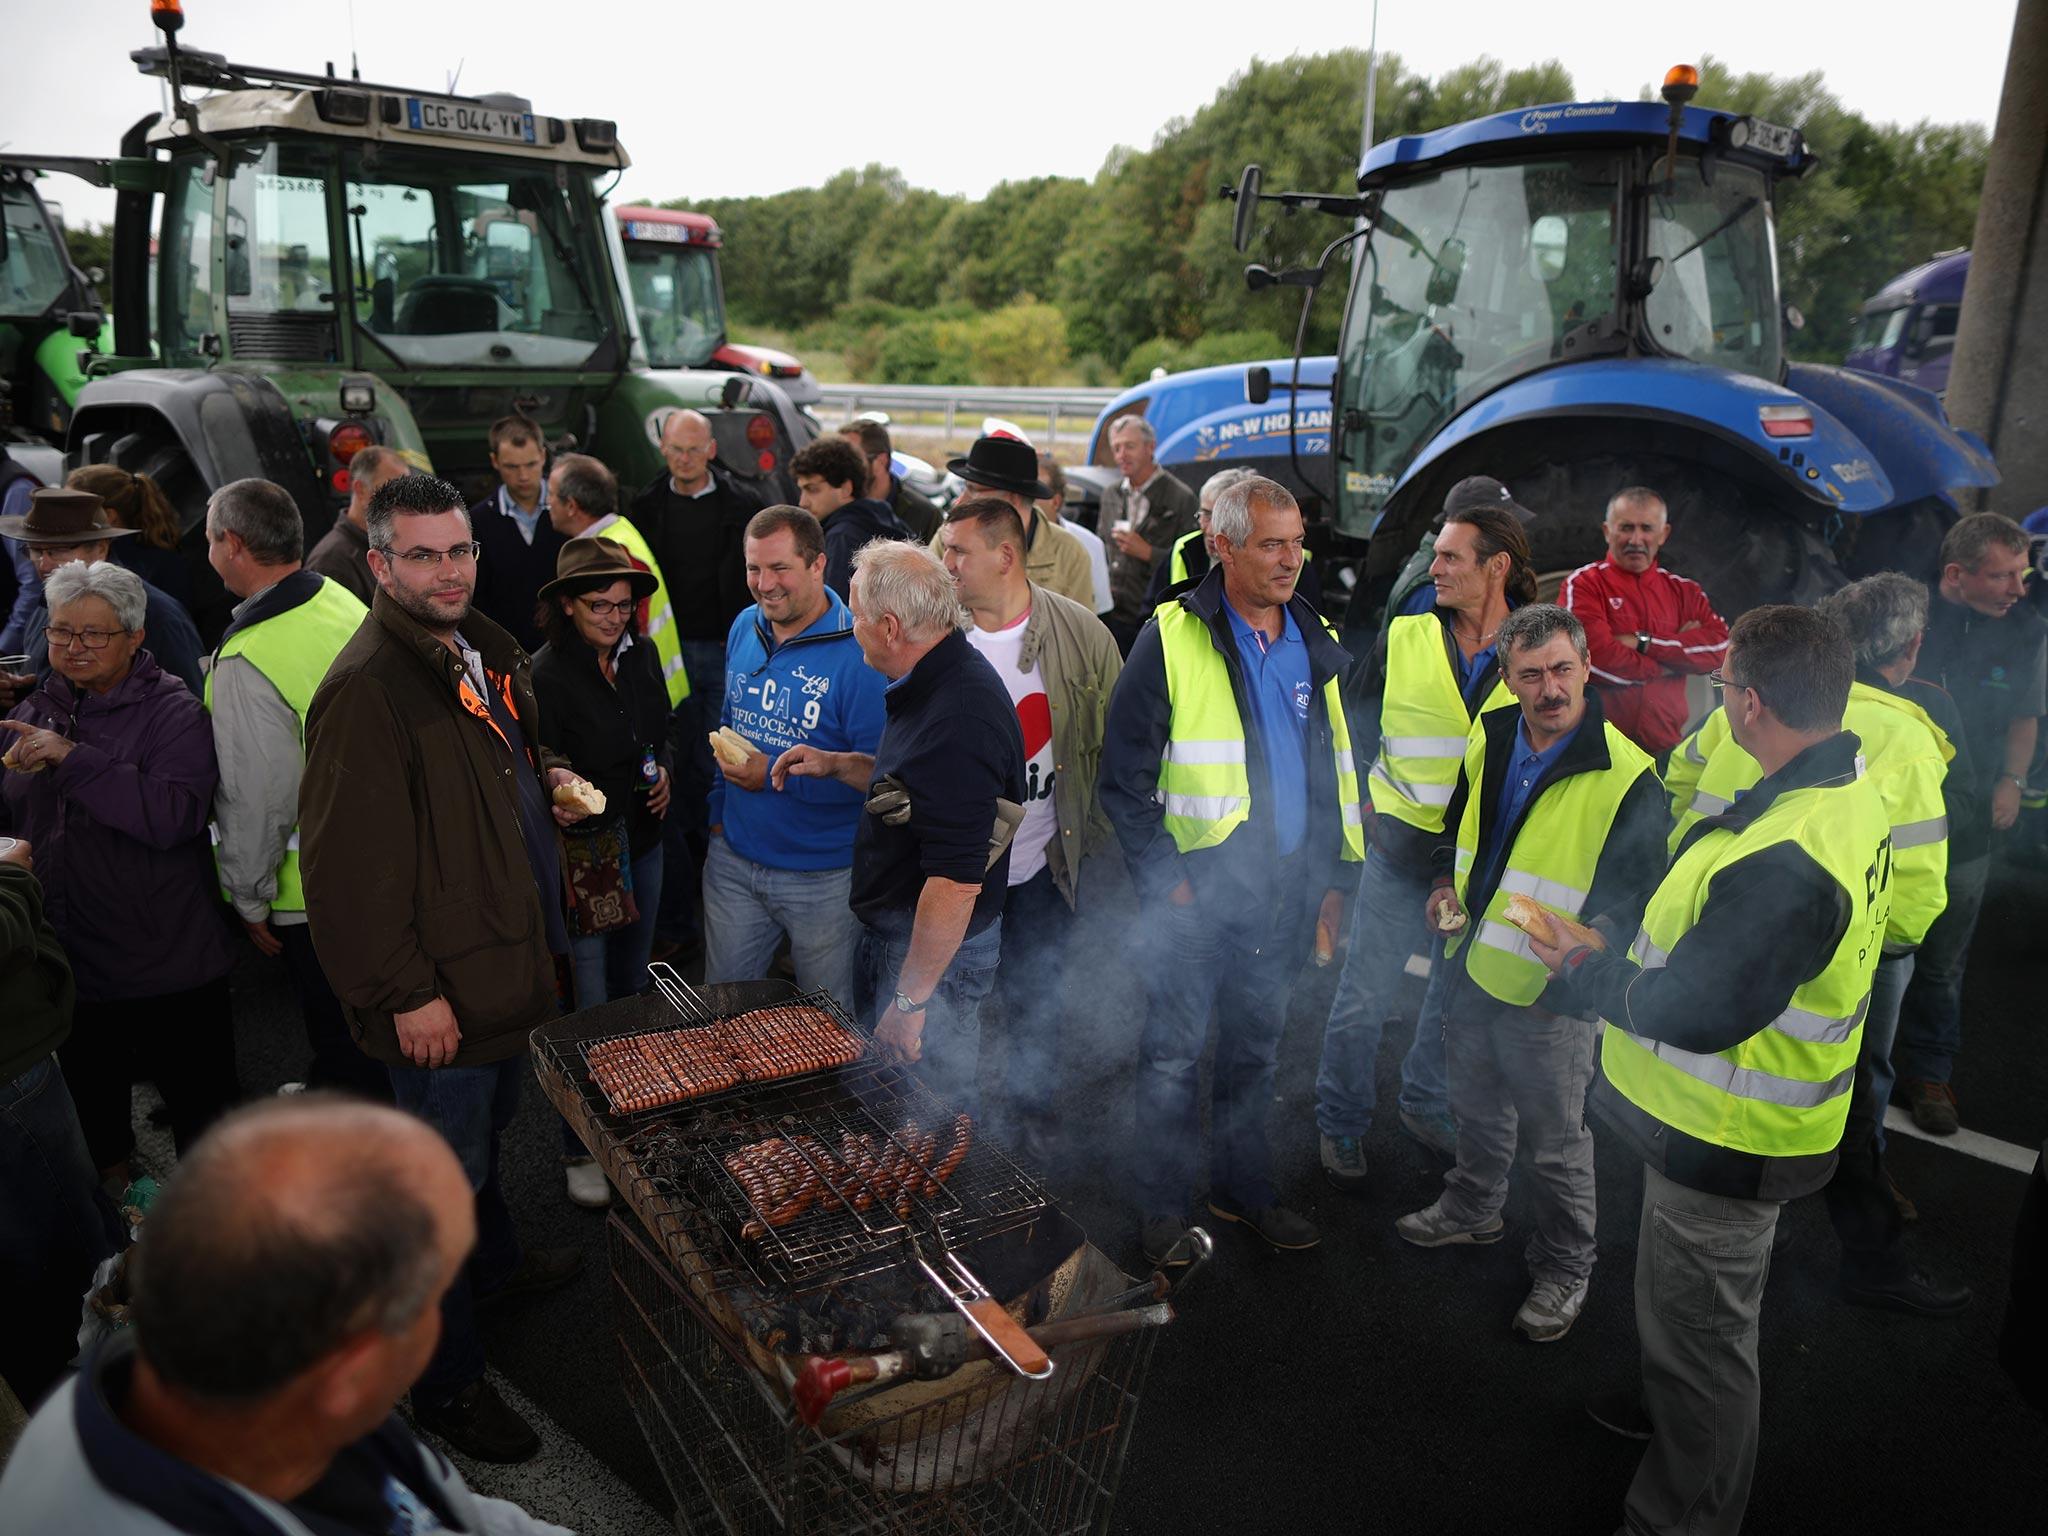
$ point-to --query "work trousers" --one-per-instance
(184, 1042)
(1931, 1020)
(338, 1060)
(1037, 927)
(1701, 1264)
(1519, 1076)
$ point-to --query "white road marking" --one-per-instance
(1968, 1142)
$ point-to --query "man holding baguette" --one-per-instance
(1556, 815)
(781, 856)
(1729, 1058)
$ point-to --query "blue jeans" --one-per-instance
(950, 1063)
(55, 1227)
(1881, 1028)
(470, 1107)
(748, 907)
(1195, 963)
(611, 965)
(1931, 1020)
(1387, 927)
(1038, 925)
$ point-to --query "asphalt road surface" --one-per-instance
(1367, 1385)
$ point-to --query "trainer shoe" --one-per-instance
(1553, 1306)
(1344, 1163)
(481, 1425)
(1621, 1413)
(1163, 1241)
(1280, 1227)
(1433, 1130)
(1934, 1107)
(588, 1186)
(1431, 1228)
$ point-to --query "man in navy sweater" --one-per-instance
(519, 542)
(930, 868)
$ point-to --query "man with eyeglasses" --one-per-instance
(65, 526)
(433, 891)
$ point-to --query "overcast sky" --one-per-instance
(733, 99)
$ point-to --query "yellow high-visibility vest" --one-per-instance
(1423, 725)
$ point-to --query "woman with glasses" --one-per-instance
(604, 707)
(111, 775)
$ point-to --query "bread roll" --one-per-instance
(580, 795)
(730, 747)
(1450, 919)
(1548, 927)
(10, 760)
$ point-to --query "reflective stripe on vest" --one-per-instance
(1423, 725)
(1906, 757)
(293, 651)
(1204, 774)
(661, 619)
(1552, 860)
(1784, 1091)
(1682, 770)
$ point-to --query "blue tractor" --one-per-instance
(1575, 298)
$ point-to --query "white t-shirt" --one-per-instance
(1098, 563)
(1034, 719)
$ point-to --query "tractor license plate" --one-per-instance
(1771, 139)
(467, 120)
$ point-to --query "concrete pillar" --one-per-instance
(1998, 380)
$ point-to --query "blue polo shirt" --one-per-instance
(1277, 682)
(1525, 768)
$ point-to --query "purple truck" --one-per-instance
(1908, 331)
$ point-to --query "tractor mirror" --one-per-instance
(1247, 207)
(737, 392)
(83, 324)
(1447, 275)
(1258, 385)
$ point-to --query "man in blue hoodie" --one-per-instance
(781, 859)
(830, 478)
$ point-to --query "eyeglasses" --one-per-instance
(1721, 679)
(600, 607)
(430, 559)
(91, 639)
(687, 450)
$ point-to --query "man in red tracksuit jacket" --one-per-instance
(1646, 629)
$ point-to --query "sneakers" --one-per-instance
(1553, 1306)
(1933, 1106)
(1431, 1228)
(1163, 1242)
(1433, 1130)
(481, 1425)
(540, 1269)
(588, 1186)
(1620, 1413)
(1914, 1292)
(1344, 1163)
(1280, 1227)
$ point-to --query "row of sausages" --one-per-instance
(640, 1072)
(783, 1177)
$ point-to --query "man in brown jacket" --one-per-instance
(433, 879)
(1142, 515)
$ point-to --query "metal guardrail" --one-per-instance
(1047, 404)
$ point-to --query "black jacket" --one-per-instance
(700, 544)
(1631, 861)
(852, 526)
(1234, 881)
(1770, 924)
(511, 572)
(914, 511)
(604, 729)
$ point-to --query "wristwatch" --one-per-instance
(905, 1005)
(1642, 643)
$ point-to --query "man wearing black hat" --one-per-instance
(831, 482)
(1413, 591)
(1007, 468)
(62, 526)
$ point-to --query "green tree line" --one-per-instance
(1056, 278)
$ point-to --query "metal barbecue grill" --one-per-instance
(943, 1356)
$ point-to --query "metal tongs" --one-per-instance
(681, 996)
(1003, 1334)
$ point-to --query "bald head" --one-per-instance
(293, 1226)
(688, 447)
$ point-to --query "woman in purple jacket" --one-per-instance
(111, 776)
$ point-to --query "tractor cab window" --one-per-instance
(35, 273)
(677, 299)
(277, 272)
(465, 264)
(1716, 300)
(185, 262)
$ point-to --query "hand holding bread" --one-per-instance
(574, 799)
(1551, 929)
(744, 765)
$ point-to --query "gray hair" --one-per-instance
(263, 516)
(908, 581)
(585, 481)
(1538, 624)
(116, 586)
(1222, 481)
(1882, 615)
(1637, 496)
(1134, 423)
(1232, 516)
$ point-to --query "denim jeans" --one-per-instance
(1387, 927)
(1037, 927)
(683, 830)
(1881, 1028)
(748, 907)
(950, 1063)
(470, 1107)
(56, 1225)
(1931, 1020)
(613, 965)
(1194, 964)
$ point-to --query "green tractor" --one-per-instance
(49, 317)
(304, 265)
